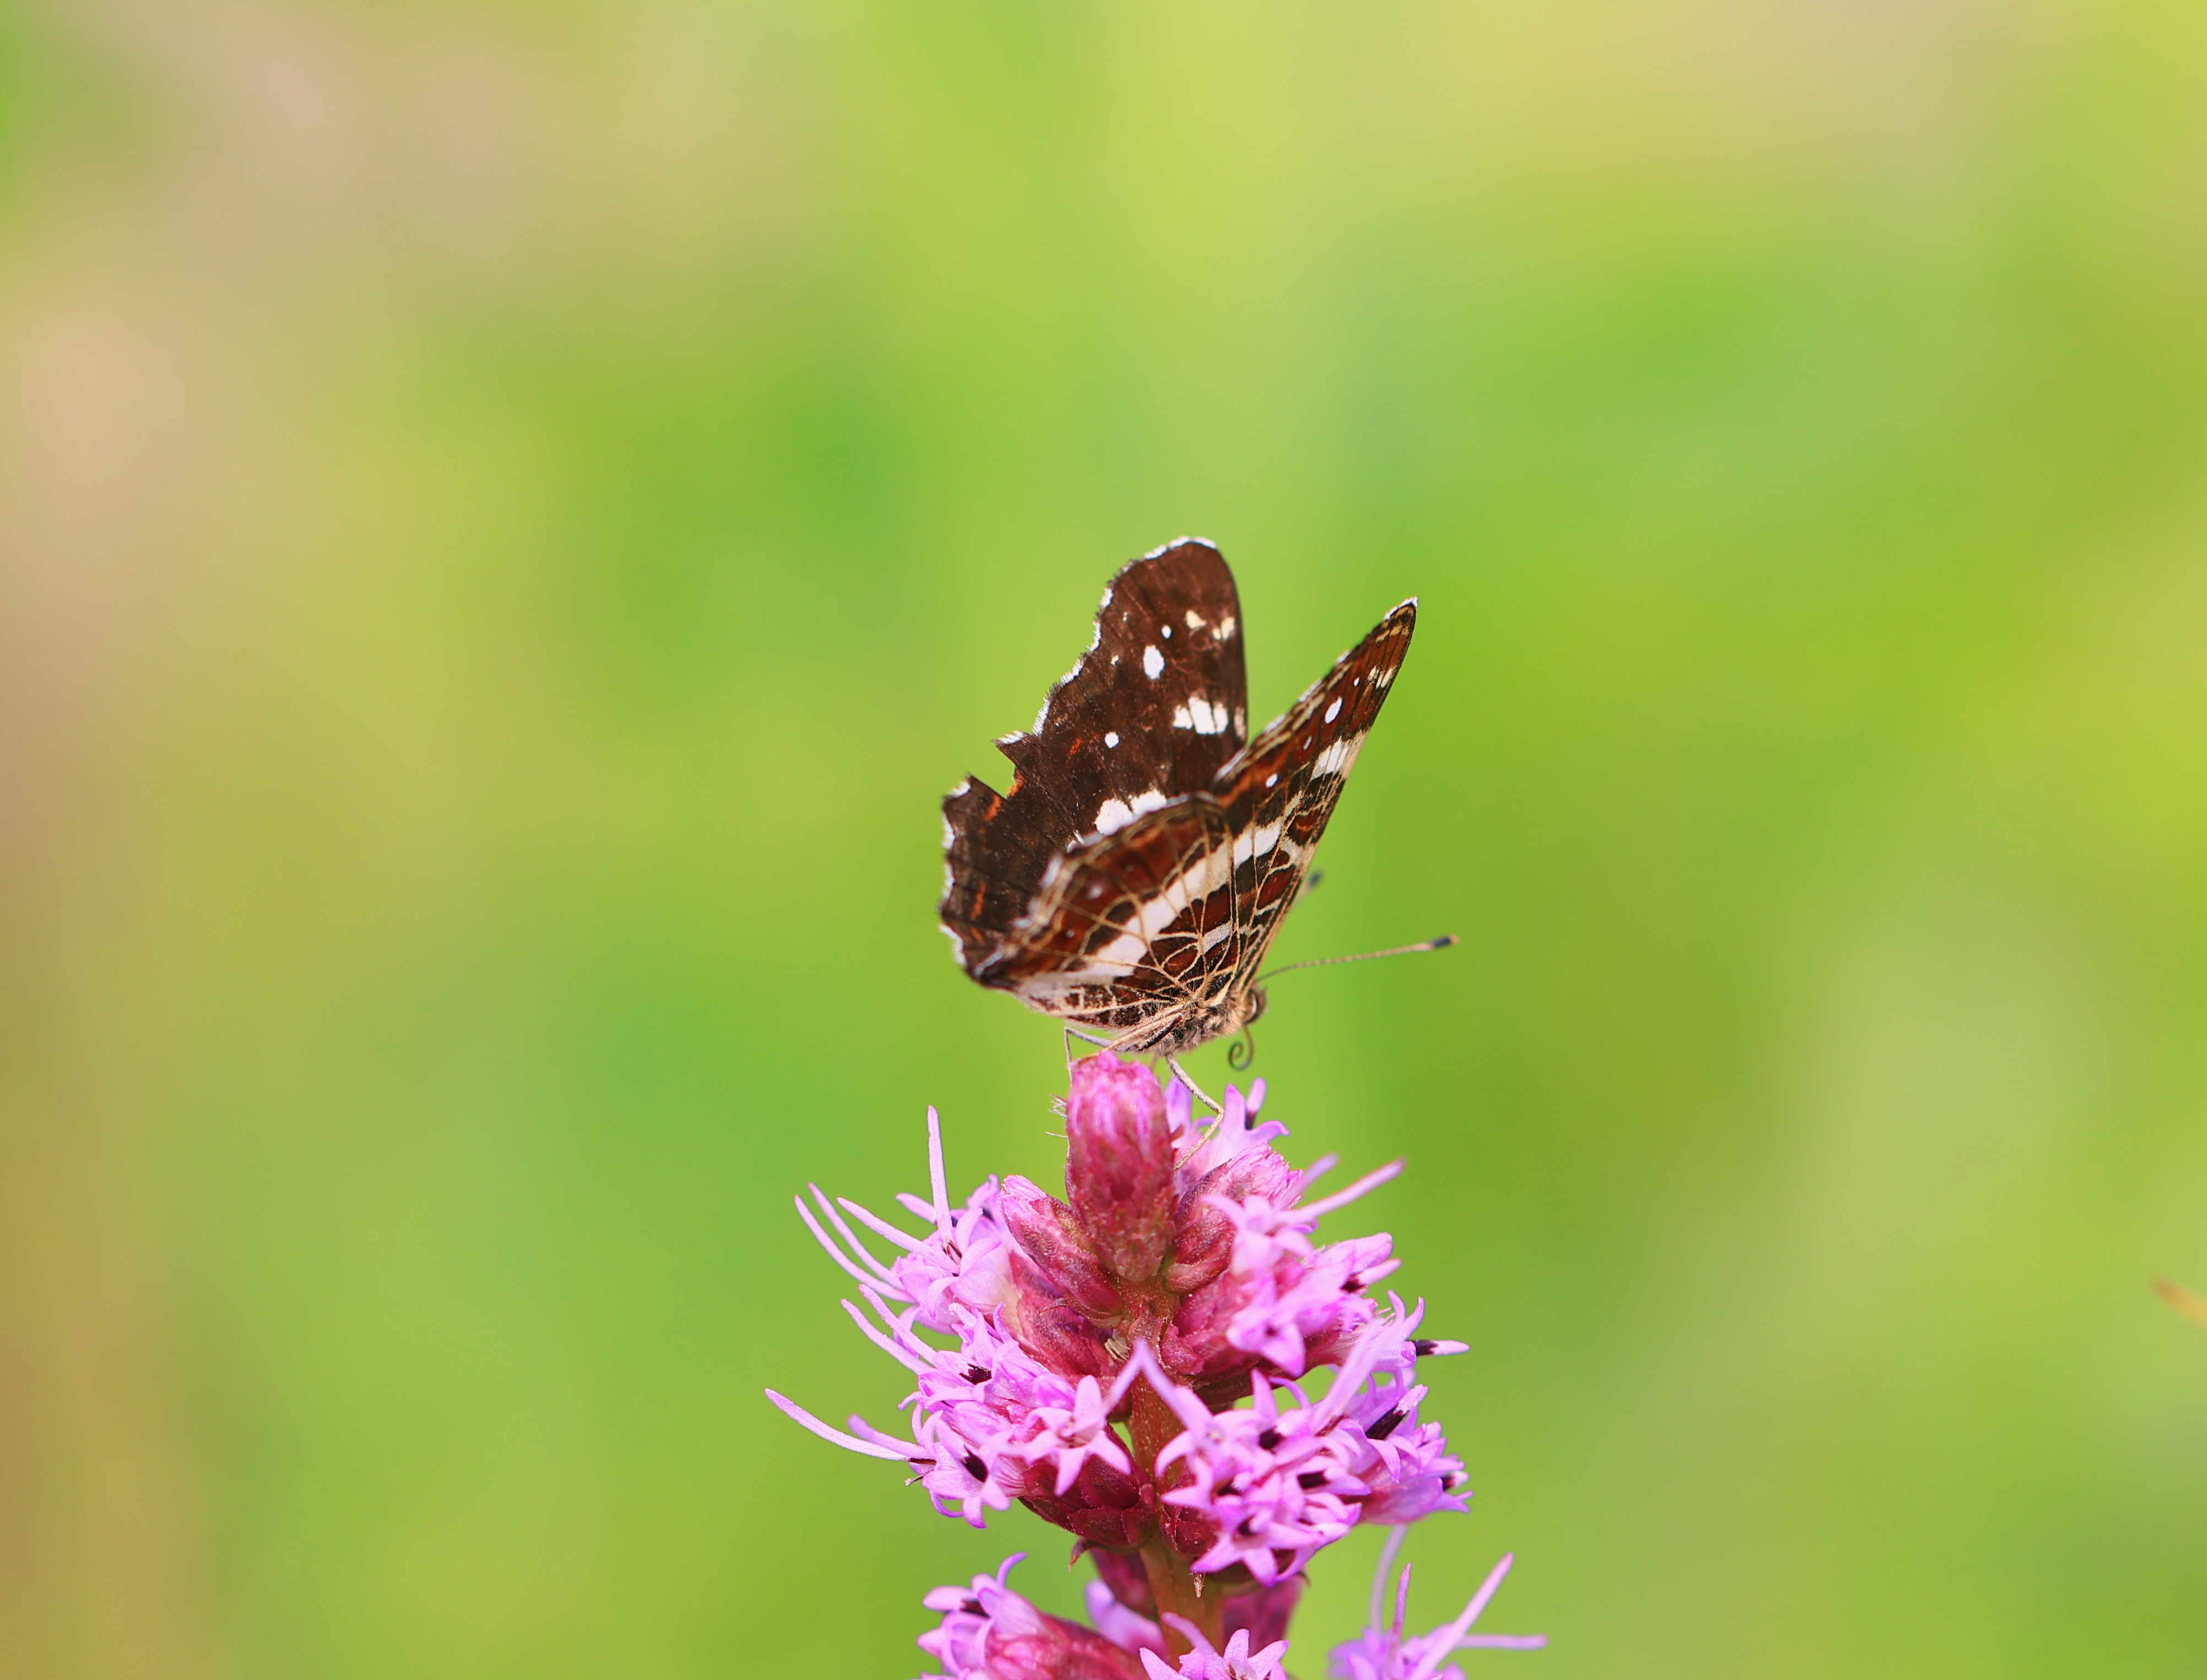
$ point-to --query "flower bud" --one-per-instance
(1119, 1163)
(991, 1631)
(1203, 1236)
(1104, 1506)
(1129, 1582)
(1264, 1612)
(1050, 1237)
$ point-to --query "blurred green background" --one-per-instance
(513, 515)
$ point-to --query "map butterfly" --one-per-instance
(1132, 878)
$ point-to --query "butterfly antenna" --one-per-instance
(1442, 943)
(1243, 1051)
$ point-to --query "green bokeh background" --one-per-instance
(513, 515)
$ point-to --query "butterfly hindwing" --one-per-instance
(1129, 926)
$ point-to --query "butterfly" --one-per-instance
(1132, 879)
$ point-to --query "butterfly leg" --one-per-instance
(1195, 1090)
(1074, 1032)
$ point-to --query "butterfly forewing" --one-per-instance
(1279, 794)
(1152, 710)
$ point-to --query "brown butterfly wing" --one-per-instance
(1151, 712)
(1279, 794)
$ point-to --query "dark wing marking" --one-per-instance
(1151, 711)
(1130, 927)
(1279, 793)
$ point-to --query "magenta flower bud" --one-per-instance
(990, 1632)
(1265, 1612)
(1195, 1348)
(1119, 1163)
(1104, 1507)
(1060, 1337)
(1049, 1235)
(1122, 1572)
(1203, 1236)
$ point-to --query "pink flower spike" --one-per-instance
(798, 1415)
(1075, 1434)
(1443, 1640)
(1012, 1313)
(1384, 1653)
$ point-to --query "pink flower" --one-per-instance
(1182, 1268)
(1383, 1653)
(991, 1633)
(1235, 1662)
(1271, 1485)
(1072, 1434)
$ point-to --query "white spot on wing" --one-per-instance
(1110, 737)
(1153, 663)
(1200, 716)
(1333, 711)
(1255, 842)
(1167, 632)
(1114, 814)
(1225, 631)
(1194, 620)
(1335, 759)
